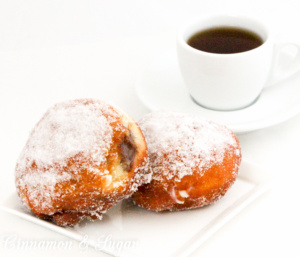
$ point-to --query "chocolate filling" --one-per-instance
(128, 152)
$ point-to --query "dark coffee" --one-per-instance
(225, 40)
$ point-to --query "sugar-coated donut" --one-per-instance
(81, 158)
(194, 161)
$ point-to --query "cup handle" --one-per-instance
(278, 73)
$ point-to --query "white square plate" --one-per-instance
(127, 230)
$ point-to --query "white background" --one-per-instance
(59, 49)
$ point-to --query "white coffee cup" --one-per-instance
(231, 81)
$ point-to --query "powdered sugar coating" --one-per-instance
(194, 161)
(182, 142)
(80, 127)
(73, 157)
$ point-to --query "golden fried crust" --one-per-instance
(194, 163)
(89, 180)
(192, 191)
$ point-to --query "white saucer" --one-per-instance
(161, 87)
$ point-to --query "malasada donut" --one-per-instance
(194, 161)
(81, 158)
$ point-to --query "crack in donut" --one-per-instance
(128, 152)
